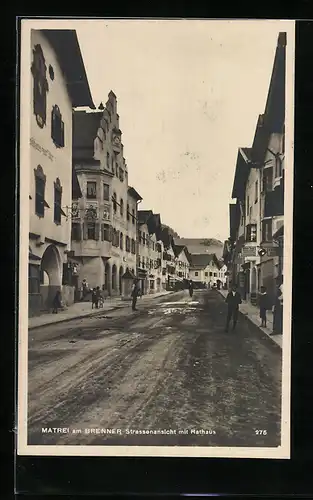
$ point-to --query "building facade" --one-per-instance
(183, 259)
(204, 269)
(59, 83)
(106, 243)
(149, 254)
(254, 250)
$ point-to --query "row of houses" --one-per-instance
(85, 222)
(254, 251)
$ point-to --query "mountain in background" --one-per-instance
(201, 245)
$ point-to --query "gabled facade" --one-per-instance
(149, 252)
(104, 230)
(59, 83)
(183, 259)
(205, 269)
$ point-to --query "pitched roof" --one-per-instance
(201, 260)
(66, 46)
(134, 194)
(144, 215)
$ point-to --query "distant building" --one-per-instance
(205, 269)
(59, 83)
(149, 252)
(183, 260)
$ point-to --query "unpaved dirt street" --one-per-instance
(169, 369)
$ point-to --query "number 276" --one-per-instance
(260, 432)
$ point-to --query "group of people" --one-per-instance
(233, 301)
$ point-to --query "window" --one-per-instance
(121, 241)
(106, 192)
(278, 166)
(114, 202)
(121, 207)
(106, 232)
(267, 230)
(76, 231)
(91, 190)
(133, 246)
(108, 161)
(41, 87)
(57, 127)
(112, 164)
(91, 230)
(121, 173)
(267, 179)
(140, 236)
(57, 201)
(211, 274)
(151, 284)
(196, 273)
(256, 194)
(251, 232)
(133, 216)
(40, 186)
(127, 243)
(127, 210)
(247, 205)
(33, 279)
(143, 238)
(206, 274)
(215, 275)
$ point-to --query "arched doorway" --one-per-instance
(114, 273)
(50, 274)
(121, 272)
(107, 278)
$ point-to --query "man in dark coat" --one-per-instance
(233, 300)
(190, 287)
(134, 294)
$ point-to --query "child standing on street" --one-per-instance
(264, 305)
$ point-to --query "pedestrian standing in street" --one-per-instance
(278, 310)
(233, 300)
(57, 303)
(134, 294)
(264, 305)
(190, 287)
(94, 298)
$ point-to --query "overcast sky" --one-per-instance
(189, 94)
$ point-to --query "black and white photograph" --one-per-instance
(156, 216)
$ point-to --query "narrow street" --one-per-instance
(168, 367)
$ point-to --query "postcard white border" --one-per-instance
(281, 452)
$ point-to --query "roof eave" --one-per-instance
(66, 46)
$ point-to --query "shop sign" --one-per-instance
(248, 251)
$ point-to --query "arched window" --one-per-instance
(127, 242)
(57, 127)
(121, 241)
(127, 210)
(122, 207)
(114, 202)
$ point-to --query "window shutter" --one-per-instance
(62, 134)
(53, 126)
(85, 231)
(97, 231)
